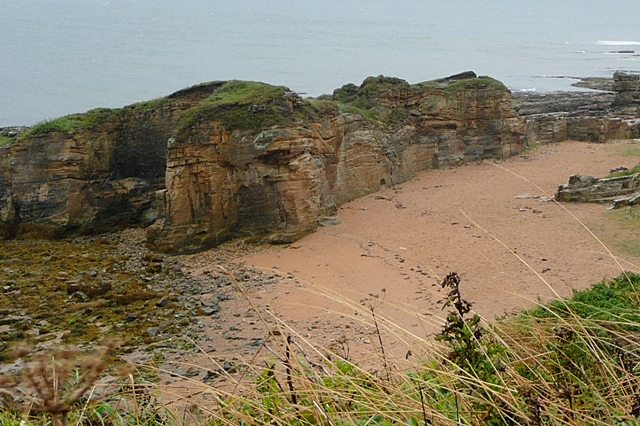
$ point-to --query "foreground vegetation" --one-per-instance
(571, 362)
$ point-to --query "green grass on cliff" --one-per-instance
(239, 105)
(6, 140)
(74, 122)
(254, 106)
(369, 99)
(89, 120)
(481, 82)
(245, 92)
(150, 104)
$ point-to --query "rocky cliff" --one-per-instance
(229, 159)
(264, 163)
(595, 116)
(89, 172)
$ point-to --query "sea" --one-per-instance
(67, 56)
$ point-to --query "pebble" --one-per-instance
(192, 372)
(229, 368)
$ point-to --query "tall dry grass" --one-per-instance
(571, 362)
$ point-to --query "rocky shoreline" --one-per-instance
(161, 309)
(226, 160)
(159, 304)
(155, 306)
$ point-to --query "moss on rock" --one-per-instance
(239, 105)
(76, 291)
(74, 122)
(477, 83)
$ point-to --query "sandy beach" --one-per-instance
(492, 223)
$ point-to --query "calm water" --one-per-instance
(64, 56)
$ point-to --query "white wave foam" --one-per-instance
(617, 43)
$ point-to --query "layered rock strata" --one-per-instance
(89, 172)
(584, 116)
(279, 183)
(230, 159)
(627, 87)
(617, 190)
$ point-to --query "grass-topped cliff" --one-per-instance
(248, 105)
(111, 161)
(239, 105)
(89, 120)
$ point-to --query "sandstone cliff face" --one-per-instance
(89, 172)
(278, 183)
(241, 159)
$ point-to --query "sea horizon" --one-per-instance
(71, 56)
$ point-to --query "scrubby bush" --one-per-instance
(572, 362)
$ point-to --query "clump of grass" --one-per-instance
(615, 301)
(630, 172)
(74, 122)
(239, 105)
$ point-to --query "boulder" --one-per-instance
(619, 190)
